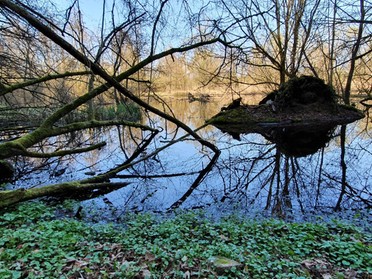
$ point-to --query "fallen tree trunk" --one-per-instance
(74, 190)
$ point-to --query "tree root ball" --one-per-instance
(302, 91)
(6, 171)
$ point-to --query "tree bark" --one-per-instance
(354, 54)
(68, 189)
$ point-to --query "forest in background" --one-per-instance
(266, 42)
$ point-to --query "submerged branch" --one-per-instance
(127, 164)
(165, 175)
(97, 124)
(61, 153)
(196, 182)
(19, 146)
(113, 173)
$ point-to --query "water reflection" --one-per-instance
(283, 171)
(293, 141)
(286, 185)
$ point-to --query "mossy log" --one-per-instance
(62, 190)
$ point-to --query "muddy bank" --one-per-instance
(263, 115)
(304, 100)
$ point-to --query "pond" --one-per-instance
(254, 175)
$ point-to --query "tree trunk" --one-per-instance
(69, 190)
(91, 108)
(354, 54)
(299, 10)
(332, 45)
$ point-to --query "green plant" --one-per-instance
(36, 243)
(127, 111)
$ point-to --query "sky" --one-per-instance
(91, 10)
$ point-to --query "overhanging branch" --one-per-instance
(8, 89)
(112, 81)
(60, 153)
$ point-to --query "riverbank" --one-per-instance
(36, 242)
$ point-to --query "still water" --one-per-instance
(253, 175)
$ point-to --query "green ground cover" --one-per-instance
(36, 242)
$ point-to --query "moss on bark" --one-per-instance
(68, 189)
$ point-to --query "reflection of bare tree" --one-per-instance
(343, 167)
(252, 173)
(203, 172)
(266, 178)
(346, 188)
(280, 197)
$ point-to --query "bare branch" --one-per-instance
(99, 71)
(63, 152)
(7, 89)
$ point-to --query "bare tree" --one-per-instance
(17, 11)
(273, 34)
(349, 46)
(354, 53)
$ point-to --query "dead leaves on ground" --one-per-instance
(104, 260)
(114, 257)
(323, 269)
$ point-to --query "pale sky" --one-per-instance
(91, 10)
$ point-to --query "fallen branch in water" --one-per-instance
(74, 189)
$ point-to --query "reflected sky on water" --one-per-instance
(255, 174)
